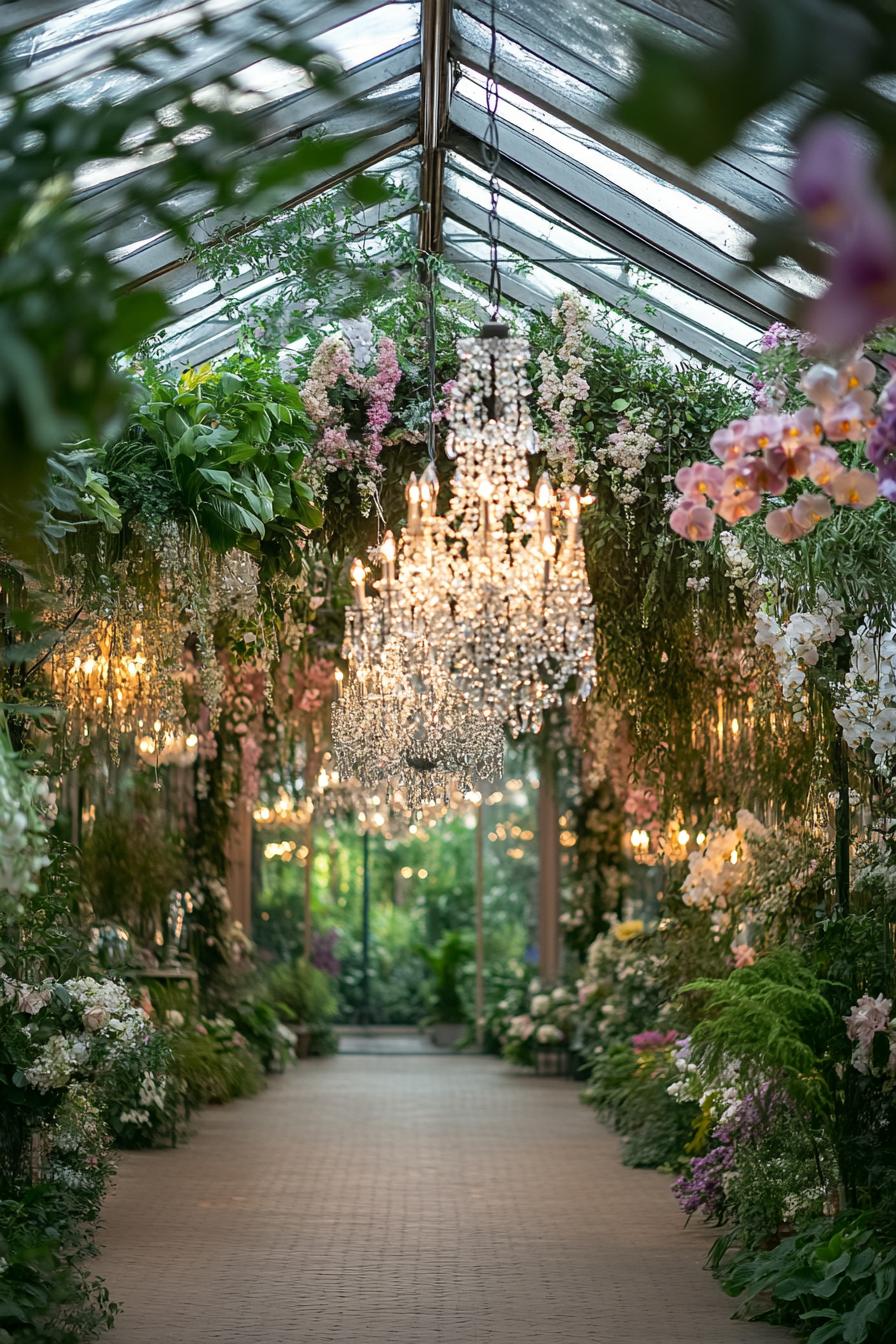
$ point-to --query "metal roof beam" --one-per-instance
(287, 118)
(236, 40)
(719, 181)
(435, 100)
(160, 255)
(689, 336)
(598, 208)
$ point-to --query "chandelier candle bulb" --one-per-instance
(387, 555)
(413, 496)
(357, 576)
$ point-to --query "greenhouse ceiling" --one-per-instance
(583, 203)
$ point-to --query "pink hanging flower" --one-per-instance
(702, 478)
(731, 442)
(691, 520)
(846, 420)
(763, 432)
(783, 525)
(825, 465)
(833, 182)
(854, 488)
(743, 954)
(810, 509)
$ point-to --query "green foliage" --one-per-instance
(224, 449)
(446, 963)
(772, 1020)
(328, 266)
(130, 864)
(211, 1070)
(306, 996)
(834, 1281)
(631, 1090)
(65, 313)
(47, 1296)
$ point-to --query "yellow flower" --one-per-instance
(193, 377)
(629, 928)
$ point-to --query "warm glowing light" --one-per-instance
(422, 874)
(734, 856)
(701, 837)
(683, 836)
(735, 727)
(406, 873)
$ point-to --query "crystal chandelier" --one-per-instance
(482, 616)
(121, 681)
(512, 613)
(399, 721)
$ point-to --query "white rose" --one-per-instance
(95, 1018)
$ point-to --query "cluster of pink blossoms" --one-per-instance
(865, 1019)
(762, 455)
(333, 361)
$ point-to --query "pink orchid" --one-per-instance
(846, 420)
(739, 475)
(833, 168)
(702, 478)
(763, 431)
(737, 504)
(854, 488)
(743, 954)
(768, 474)
(731, 442)
(825, 465)
(810, 508)
(783, 525)
(862, 292)
(809, 420)
(692, 520)
(790, 461)
(821, 384)
(856, 375)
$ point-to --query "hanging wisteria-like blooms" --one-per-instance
(343, 359)
(563, 388)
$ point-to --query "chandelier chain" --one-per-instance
(491, 156)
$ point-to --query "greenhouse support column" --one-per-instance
(308, 929)
(841, 821)
(365, 931)
(480, 931)
(548, 872)
(238, 852)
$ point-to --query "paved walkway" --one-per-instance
(410, 1200)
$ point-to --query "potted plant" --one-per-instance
(447, 1018)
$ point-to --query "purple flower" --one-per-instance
(833, 169)
(834, 185)
(653, 1040)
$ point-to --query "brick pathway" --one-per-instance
(406, 1199)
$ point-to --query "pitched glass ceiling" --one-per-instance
(585, 202)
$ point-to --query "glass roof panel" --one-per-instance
(536, 233)
(706, 220)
